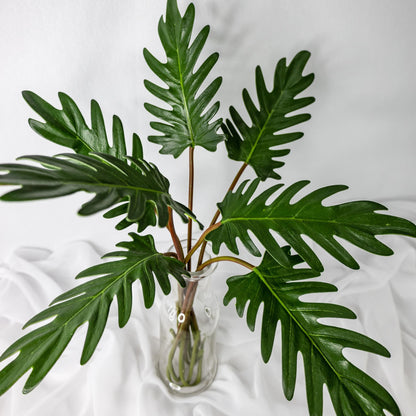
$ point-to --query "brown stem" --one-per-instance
(175, 238)
(171, 254)
(187, 305)
(217, 213)
(201, 240)
(190, 200)
(225, 258)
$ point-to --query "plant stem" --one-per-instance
(197, 336)
(201, 239)
(225, 258)
(217, 213)
(185, 303)
(175, 238)
(181, 359)
(190, 201)
(171, 254)
(186, 341)
(176, 243)
(170, 371)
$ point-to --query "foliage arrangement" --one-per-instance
(128, 187)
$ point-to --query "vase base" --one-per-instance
(180, 390)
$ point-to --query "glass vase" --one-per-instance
(188, 321)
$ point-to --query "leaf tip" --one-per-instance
(265, 354)
(226, 300)
(63, 96)
(26, 94)
(28, 389)
(84, 358)
(305, 53)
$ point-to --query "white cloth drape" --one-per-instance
(121, 377)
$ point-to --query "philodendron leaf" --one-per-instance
(353, 393)
(189, 121)
(90, 302)
(68, 128)
(357, 222)
(257, 144)
(149, 217)
(111, 180)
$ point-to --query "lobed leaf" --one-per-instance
(257, 145)
(353, 393)
(189, 121)
(67, 127)
(90, 302)
(356, 222)
(142, 189)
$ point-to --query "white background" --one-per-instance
(362, 131)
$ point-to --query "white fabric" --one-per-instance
(121, 377)
(362, 133)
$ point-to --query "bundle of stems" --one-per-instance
(187, 345)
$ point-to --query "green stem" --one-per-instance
(182, 352)
(187, 345)
(170, 371)
(199, 373)
(197, 337)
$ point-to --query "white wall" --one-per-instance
(362, 132)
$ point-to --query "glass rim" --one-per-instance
(194, 276)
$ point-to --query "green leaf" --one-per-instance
(148, 219)
(111, 180)
(355, 222)
(188, 122)
(353, 393)
(90, 302)
(256, 144)
(67, 127)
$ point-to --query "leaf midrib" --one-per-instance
(262, 130)
(311, 338)
(282, 219)
(75, 132)
(289, 312)
(184, 99)
(55, 327)
(84, 142)
(94, 184)
(113, 282)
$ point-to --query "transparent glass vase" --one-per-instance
(188, 321)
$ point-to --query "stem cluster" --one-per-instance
(187, 347)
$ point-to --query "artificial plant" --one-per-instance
(125, 185)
